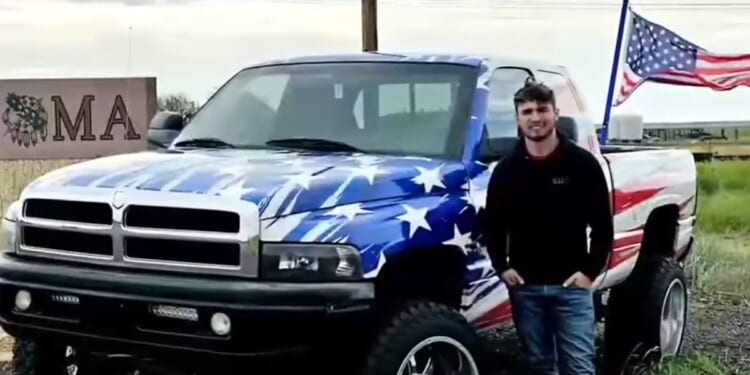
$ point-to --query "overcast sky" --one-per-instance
(192, 46)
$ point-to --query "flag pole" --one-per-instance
(613, 75)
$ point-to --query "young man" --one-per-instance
(540, 201)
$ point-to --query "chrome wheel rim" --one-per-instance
(438, 355)
(673, 313)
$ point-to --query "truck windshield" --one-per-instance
(378, 107)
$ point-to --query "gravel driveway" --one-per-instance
(721, 327)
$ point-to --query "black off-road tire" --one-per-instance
(416, 322)
(42, 358)
(632, 326)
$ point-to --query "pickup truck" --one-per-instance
(324, 204)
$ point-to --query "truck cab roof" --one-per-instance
(491, 60)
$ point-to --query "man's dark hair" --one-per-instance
(533, 91)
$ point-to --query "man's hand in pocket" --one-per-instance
(580, 280)
(512, 278)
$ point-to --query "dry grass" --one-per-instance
(722, 265)
(16, 174)
(720, 149)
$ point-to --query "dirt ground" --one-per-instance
(719, 326)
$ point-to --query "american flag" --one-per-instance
(655, 53)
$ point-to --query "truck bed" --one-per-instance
(619, 148)
(643, 179)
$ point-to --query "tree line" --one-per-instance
(180, 103)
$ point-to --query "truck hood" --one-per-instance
(279, 182)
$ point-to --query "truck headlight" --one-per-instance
(8, 228)
(310, 262)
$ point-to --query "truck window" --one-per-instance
(501, 112)
(391, 108)
(564, 94)
(407, 98)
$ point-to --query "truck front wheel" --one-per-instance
(426, 338)
(31, 357)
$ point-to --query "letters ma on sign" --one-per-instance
(74, 118)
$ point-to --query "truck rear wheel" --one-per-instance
(647, 315)
(32, 357)
(426, 338)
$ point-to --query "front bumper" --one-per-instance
(112, 310)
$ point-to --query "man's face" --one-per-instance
(536, 120)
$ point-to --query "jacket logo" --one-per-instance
(560, 180)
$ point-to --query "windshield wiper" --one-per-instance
(313, 144)
(204, 142)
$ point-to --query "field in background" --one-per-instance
(722, 267)
(720, 272)
(724, 197)
(721, 149)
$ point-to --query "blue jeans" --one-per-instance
(556, 326)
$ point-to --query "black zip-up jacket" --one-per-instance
(538, 211)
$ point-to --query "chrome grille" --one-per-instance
(199, 252)
(182, 219)
(58, 209)
(142, 229)
(68, 241)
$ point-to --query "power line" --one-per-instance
(528, 3)
(524, 3)
(571, 4)
(600, 3)
(543, 4)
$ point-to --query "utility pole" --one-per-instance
(369, 25)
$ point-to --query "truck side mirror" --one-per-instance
(164, 128)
